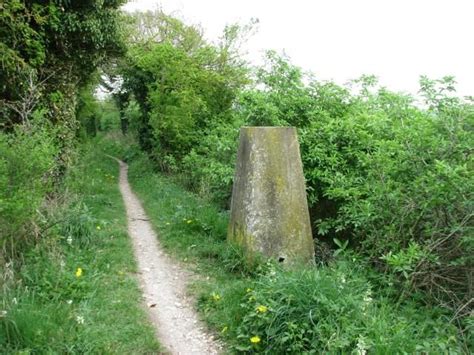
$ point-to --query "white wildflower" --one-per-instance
(69, 301)
(361, 346)
(367, 301)
(80, 319)
(368, 296)
(69, 240)
(3, 314)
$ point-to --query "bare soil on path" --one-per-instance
(163, 283)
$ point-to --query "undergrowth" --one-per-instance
(343, 307)
(75, 290)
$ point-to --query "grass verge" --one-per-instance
(76, 291)
(344, 307)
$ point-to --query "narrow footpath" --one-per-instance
(163, 283)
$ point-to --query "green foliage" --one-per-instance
(334, 310)
(395, 176)
(382, 173)
(77, 225)
(27, 162)
(88, 111)
(386, 175)
(184, 86)
(188, 226)
(61, 43)
(48, 51)
(96, 114)
(21, 46)
(210, 165)
(344, 307)
(47, 305)
(109, 116)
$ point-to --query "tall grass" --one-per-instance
(344, 307)
(76, 291)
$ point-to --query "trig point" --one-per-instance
(269, 211)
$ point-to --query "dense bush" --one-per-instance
(49, 51)
(209, 166)
(183, 85)
(390, 174)
(342, 307)
(398, 184)
(333, 310)
(27, 162)
(393, 178)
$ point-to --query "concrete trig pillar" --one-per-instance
(269, 210)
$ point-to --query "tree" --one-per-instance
(59, 43)
(183, 84)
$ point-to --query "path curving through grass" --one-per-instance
(163, 283)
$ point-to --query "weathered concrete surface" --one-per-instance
(269, 210)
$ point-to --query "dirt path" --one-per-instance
(163, 283)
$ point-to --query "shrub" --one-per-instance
(27, 162)
(209, 167)
(334, 310)
(381, 172)
(393, 177)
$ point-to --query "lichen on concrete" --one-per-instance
(269, 211)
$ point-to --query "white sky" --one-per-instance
(396, 40)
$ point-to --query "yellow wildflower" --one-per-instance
(215, 296)
(255, 339)
(98, 228)
(248, 290)
(189, 221)
(262, 309)
(78, 272)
